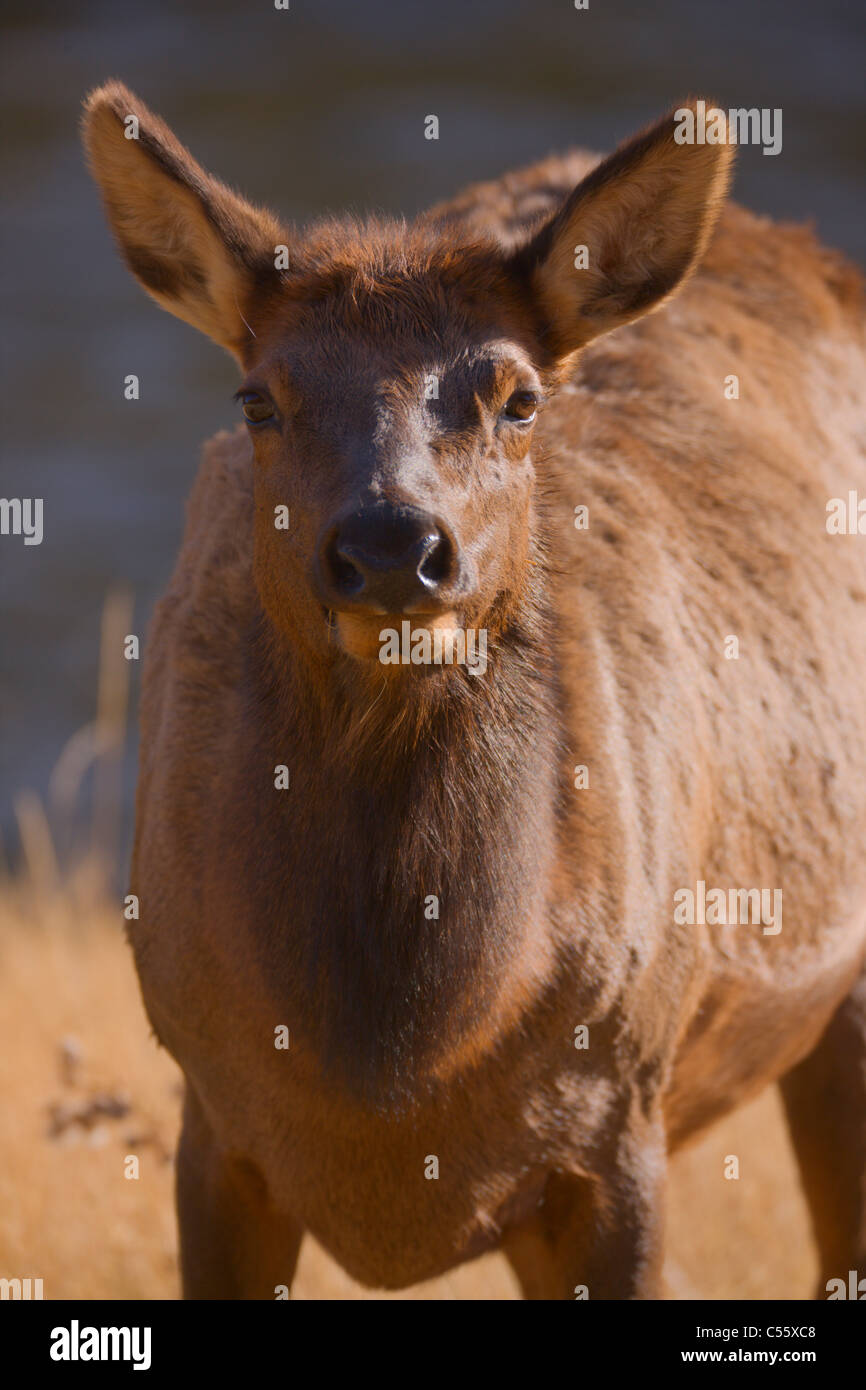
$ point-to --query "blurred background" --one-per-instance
(311, 110)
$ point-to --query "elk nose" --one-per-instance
(386, 559)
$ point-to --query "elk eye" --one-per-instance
(521, 407)
(256, 408)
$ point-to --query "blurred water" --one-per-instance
(316, 109)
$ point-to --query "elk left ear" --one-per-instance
(198, 248)
(629, 234)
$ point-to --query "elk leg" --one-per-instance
(825, 1100)
(604, 1234)
(233, 1244)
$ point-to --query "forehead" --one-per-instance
(392, 312)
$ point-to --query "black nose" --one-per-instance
(387, 559)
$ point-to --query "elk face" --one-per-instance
(393, 415)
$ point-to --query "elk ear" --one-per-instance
(629, 234)
(195, 246)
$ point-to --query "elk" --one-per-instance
(499, 1026)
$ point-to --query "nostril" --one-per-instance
(436, 564)
(347, 577)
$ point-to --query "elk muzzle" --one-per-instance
(386, 560)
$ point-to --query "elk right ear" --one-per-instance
(195, 246)
(629, 234)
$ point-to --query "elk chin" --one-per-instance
(374, 637)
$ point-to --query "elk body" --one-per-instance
(436, 907)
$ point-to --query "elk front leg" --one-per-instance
(233, 1244)
(601, 1233)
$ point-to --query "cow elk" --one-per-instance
(444, 953)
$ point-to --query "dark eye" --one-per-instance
(257, 409)
(521, 407)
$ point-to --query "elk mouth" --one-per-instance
(374, 637)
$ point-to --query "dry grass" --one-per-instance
(69, 1216)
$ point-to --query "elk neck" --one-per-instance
(409, 859)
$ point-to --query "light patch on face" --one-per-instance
(360, 634)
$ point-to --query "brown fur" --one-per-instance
(454, 1037)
